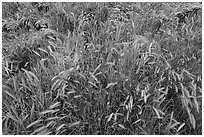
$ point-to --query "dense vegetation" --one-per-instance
(101, 68)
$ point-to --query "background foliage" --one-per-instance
(102, 68)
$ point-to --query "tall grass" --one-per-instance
(102, 68)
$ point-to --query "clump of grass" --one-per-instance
(102, 68)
